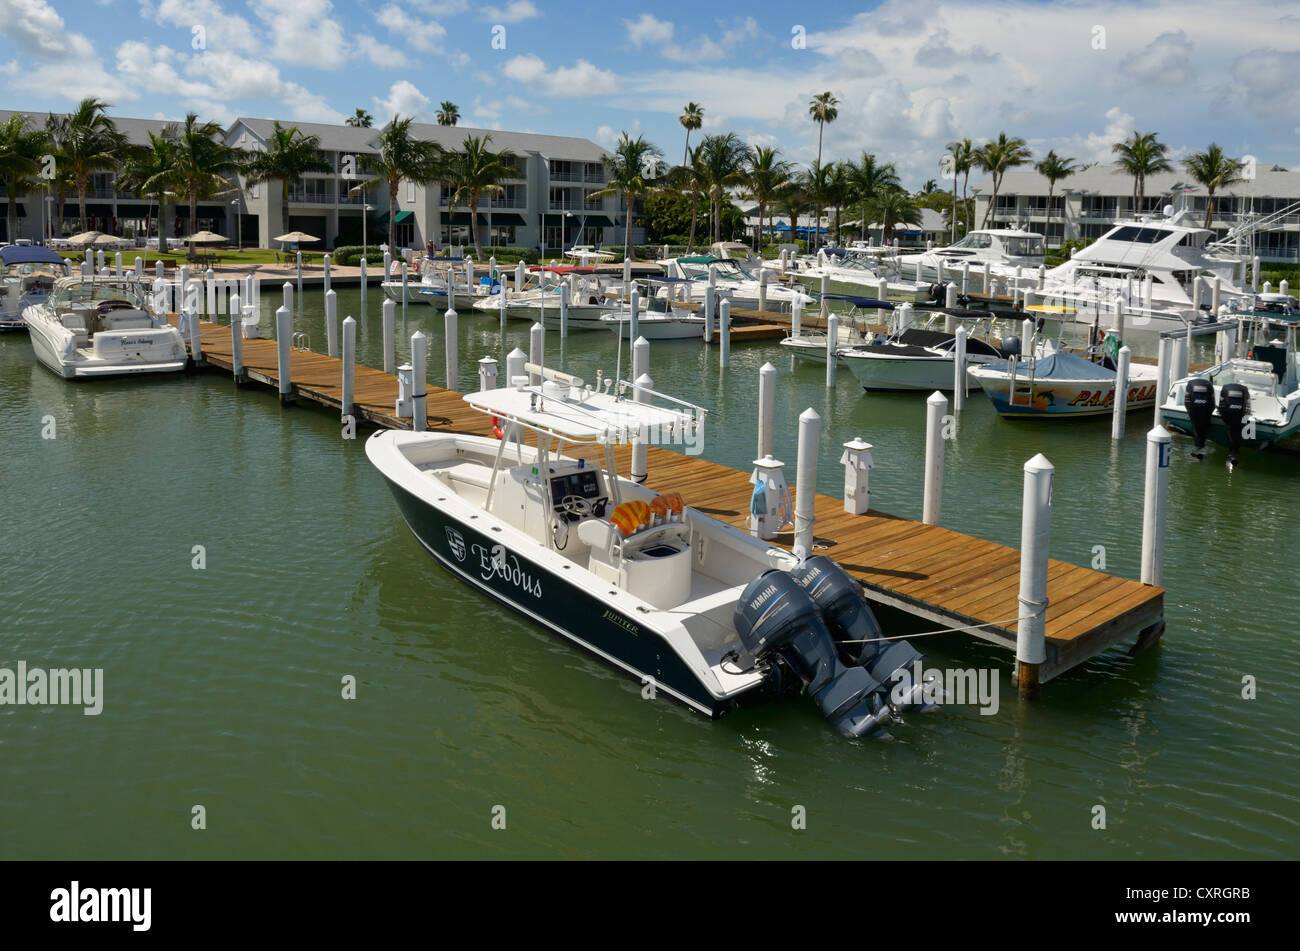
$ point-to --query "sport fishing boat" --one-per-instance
(855, 327)
(921, 358)
(1248, 400)
(436, 275)
(713, 617)
(543, 296)
(853, 271)
(1055, 382)
(27, 275)
(102, 326)
(660, 315)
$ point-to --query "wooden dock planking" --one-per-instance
(931, 572)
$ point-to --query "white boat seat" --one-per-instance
(599, 535)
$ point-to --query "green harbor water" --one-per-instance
(222, 687)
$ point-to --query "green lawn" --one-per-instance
(226, 256)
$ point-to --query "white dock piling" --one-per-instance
(810, 430)
(331, 322)
(1284, 287)
(1216, 294)
(640, 357)
(536, 351)
(450, 324)
(349, 365)
(299, 259)
(1254, 273)
(724, 334)
(469, 282)
(515, 361)
(236, 340)
(404, 291)
(640, 444)
(564, 311)
(139, 268)
(1035, 539)
(326, 284)
(503, 299)
(825, 289)
(519, 276)
(1198, 291)
(936, 408)
(388, 264)
(627, 273)
(796, 319)
(420, 377)
(710, 302)
(364, 283)
(196, 340)
(1267, 288)
(1178, 365)
(283, 339)
(762, 288)
(950, 296)
(487, 373)
(882, 289)
(634, 315)
(965, 278)
(389, 336)
(832, 345)
(1162, 375)
(1159, 449)
(1121, 392)
(286, 295)
(766, 409)
(959, 370)
(1042, 276)
(857, 463)
(160, 270)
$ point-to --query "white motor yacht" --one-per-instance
(856, 272)
(102, 326)
(734, 283)
(705, 613)
(1003, 249)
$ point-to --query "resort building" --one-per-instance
(551, 204)
(1085, 205)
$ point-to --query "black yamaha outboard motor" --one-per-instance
(1234, 407)
(776, 616)
(855, 629)
(1198, 400)
(1010, 346)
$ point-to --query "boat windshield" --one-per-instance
(1029, 247)
(727, 270)
(84, 292)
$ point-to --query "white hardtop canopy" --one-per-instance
(565, 409)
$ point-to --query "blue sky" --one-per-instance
(911, 74)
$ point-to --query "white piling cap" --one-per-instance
(768, 462)
(1159, 434)
(809, 415)
(857, 444)
(936, 398)
(767, 368)
(1039, 463)
(640, 341)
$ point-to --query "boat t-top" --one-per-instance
(27, 275)
(539, 519)
(102, 326)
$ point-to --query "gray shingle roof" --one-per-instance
(136, 130)
(1107, 180)
(340, 138)
(551, 146)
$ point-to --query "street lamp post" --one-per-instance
(239, 222)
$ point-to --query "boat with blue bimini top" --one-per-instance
(27, 275)
(540, 520)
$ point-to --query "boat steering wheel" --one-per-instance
(575, 508)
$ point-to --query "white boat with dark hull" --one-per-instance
(1252, 399)
(435, 276)
(709, 615)
(917, 358)
(102, 326)
(27, 275)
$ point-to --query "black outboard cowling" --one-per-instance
(1011, 346)
(939, 293)
(856, 630)
(1198, 400)
(1234, 407)
(775, 615)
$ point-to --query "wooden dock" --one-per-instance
(942, 577)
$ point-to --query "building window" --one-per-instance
(410, 191)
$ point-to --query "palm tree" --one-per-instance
(477, 171)
(765, 175)
(692, 117)
(21, 149)
(690, 179)
(360, 119)
(203, 164)
(816, 181)
(1214, 170)
(895, 206)
(448, 113)
(723, 160)
(1140, 156)
(963, 160)
(792, 199)
(995, 157)
(401, 158)
(840, 193)
(822, 109)
(151, 171)
(289, 155)
(1054, 169)
(635, 168)
(868, 178)
(88, 142)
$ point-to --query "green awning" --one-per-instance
(597, 221)
(401, 216)
(505, 219)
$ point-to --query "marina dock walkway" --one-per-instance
(942, 577)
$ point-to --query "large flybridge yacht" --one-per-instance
(709, 615)
(102, 326)
(1150, 265)
(27, 275)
